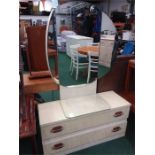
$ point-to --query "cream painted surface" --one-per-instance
(83, 137)
(85, 130)
(85, 122)
(90, 144)
(113, 99)
(74, 107)
(78, 90)
(50, 112)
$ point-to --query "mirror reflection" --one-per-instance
(84, 53)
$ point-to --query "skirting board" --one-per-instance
(90, 144)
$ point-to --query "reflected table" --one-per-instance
(86, 49)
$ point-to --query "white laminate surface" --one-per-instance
(83, 137)
(81, 147)
(84, 122)
(101, 117)
(79, 37)
(74, 107)
(78, 90)
(113, 99)
(50, 112)
(54, 112)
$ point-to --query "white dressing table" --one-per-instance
(81, 118)
(70, 125)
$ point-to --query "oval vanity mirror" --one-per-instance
(79, 44)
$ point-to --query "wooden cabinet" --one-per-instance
(62, 134)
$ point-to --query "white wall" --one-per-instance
(119, 5)
(107, 23)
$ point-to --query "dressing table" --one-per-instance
(63, 133)
(82, 117)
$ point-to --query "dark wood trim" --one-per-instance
(115, 78)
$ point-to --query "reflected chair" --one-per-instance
(75, 48)
(78, 61)
(93, 58)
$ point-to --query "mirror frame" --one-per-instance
(46, 46)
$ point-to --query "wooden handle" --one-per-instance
(115, 129)
(56, 129)
(119, 113)
(58, 146)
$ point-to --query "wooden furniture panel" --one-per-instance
(129, 92)
(36, 48)
(38, 85)
(27, 124)
(129, 75)
(115, 78)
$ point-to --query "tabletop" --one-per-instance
(86, 49)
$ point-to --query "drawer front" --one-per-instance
(83, 137)
(84, 122)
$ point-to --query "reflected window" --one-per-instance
(45, 5)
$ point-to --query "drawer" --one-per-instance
(84, 122)
(84, 137)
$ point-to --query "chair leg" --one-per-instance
(70, 66)
(77, 72)
(88, 77)
(72, 70)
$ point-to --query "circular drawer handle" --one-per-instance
(56, 129)
(58, 146)
(119, 113)
(115, 129)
